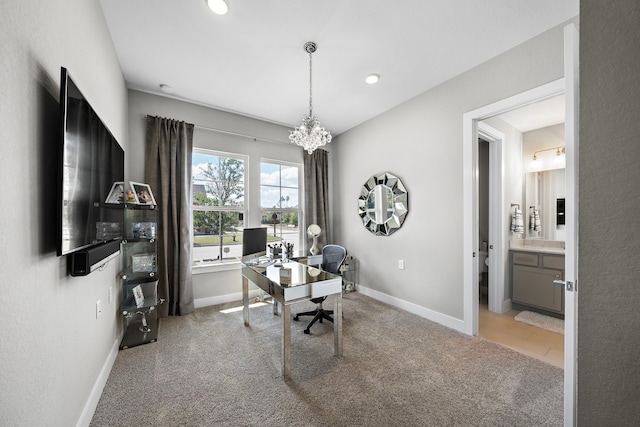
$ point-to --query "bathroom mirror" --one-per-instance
(383, 204)
(543, 191)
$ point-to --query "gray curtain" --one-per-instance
(316, 194)
(168, 149)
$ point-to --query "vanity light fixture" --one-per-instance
(310, 135)
(219, 7)
(372, 78)
(559, 151)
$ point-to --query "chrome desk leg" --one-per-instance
(245, 300)
(337, 325)
(286, 341)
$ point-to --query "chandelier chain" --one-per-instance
(310, 85)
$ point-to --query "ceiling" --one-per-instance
(537, 115)
(252, 62)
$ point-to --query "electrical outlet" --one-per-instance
(98, 309)
(400, 264)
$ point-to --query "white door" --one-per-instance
(571, 251)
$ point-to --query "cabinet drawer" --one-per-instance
(551, 261)
(524, 258)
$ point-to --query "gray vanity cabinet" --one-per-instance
(532, 278)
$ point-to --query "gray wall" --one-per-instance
(609, 236)
(54, 353)
(421, 142)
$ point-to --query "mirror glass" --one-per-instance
(383, 204)
(544, 204)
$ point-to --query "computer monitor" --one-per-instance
(254, 243)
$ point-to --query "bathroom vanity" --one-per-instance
(533, 271)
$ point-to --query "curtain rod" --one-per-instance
(255, 138)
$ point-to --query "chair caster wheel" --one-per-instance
(306, 331)
(295, 318)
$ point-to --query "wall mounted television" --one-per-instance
(90, 161)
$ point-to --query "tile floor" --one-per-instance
(535, 342)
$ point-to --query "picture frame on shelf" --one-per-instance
(143, 230)
(138, 295)
(143, 263)
(130, 197)
(143, 193)
(116, 195)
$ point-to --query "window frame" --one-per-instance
(220, 264)
(299, 210)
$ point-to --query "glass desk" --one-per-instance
(291, 283)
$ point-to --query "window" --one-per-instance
(218, 190)
(280, 202)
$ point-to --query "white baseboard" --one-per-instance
(434, 316)
(94, 397)
(506, 305)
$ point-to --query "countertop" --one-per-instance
(542, 247)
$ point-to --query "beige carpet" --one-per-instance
(398, 369)
(541, 321)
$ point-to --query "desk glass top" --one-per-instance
(292, 273)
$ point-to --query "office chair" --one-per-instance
(332, 258)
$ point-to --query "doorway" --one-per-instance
(475, 126)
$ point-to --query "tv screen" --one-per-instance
(254, 242)
(90, 162)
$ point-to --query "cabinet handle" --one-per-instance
(567, 284)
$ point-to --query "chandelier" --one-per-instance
(310, 134)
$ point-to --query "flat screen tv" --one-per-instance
(254, 243)
(90, 162)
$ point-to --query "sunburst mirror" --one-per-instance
(383, 204)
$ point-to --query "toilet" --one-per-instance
(483, 264)
(483, 272)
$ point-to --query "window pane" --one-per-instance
(278, 186)
(269, 197)
(289, 176)
(282, 228)
(217, 180)
(289, 198)
(217, 235)
(269, 174)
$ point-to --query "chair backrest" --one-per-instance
(332, 258)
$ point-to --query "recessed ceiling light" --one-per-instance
(219, 7)
(372, 78)
(166, 88)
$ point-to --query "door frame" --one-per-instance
(572, 139)
(470, 190)
(496, 249)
